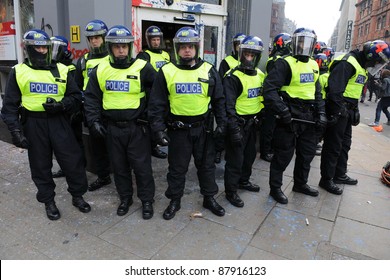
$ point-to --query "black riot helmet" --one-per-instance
(154, 32)
(237, 39)
(250, 52)
(119, 34)
(33, 40)
(96, 28)
(303, 42)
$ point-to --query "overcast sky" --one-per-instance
(320, 15)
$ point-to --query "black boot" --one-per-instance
(345, 179)
(172, 208)
(248, 186)
(305, 189)
(58, 174)
(52, 211)
(124, 206)
(156, 152)
(147, 210)
(100, 182)
(234, 199)
(278, 195)
(79, 202)
(218, 156)
(210, 203)
(330, 186)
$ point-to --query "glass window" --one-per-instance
(210, 46)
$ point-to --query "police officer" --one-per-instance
(114, 99)
(242, 86)
(45, 94)
(61, 53)
(345, 83)
(95, 32)
(292, 92)
(323, 64)
(156, 56)
(281, 46)
(228, 63)
(187, 87)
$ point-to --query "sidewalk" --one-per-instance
(355, 225)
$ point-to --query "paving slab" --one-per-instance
(285, 233)
(253, 253)
(205, 240)
(355, 236)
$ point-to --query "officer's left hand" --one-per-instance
(219, 132)
(53, 107)
(322, 120)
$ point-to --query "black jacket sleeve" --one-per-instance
(218, 102)
(223, 68)
(232, 87)
(11, 102)
(144, 55)
(158, 103)
(337, 82)
(78, 74)
(279, 75)
(93, 96)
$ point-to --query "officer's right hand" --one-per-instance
(236, 136)
(162, 138)
(98, 130)
(18, 139)
(284, 116)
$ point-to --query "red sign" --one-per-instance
(7, 28)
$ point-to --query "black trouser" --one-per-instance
(129, 149)
(183, 144)
(239, 159)
(267, 128)
(287, 138)
(337, 143)
(46, 135)
(100, 156)
(77, 127)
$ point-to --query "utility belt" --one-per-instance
(121, 124)
(350, 106)
(183, 125)
(302, 107)
(246, 122)
(33, 114)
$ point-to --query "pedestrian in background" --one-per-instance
(384, 98)
(39, 98)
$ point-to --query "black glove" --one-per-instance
(322, 120)
(236, 136)
(284, 116)
(18, 139)
(219, 132)
(162, 138)
(98, 130)
(333, 119)
(53, 107)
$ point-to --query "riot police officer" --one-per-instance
(61, 53)
(292, 92)
(281, 46)
(345, 83)
(114, 99)
(228, 63)
(45, 94)
(156, 56)
(95, 32)
(242, 86)
(187, 87)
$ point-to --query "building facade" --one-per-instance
(372, 22)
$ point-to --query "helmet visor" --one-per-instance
(303, 45)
